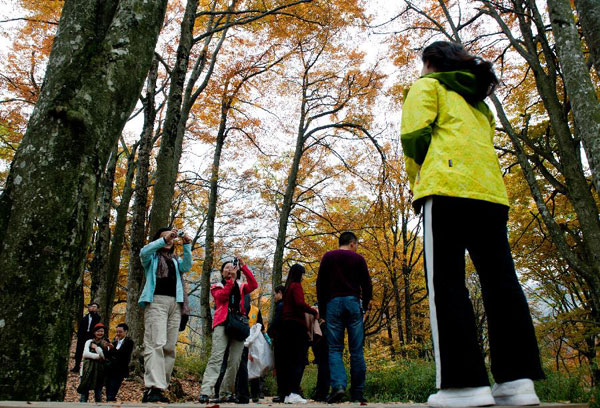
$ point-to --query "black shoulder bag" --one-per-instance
(236, 325)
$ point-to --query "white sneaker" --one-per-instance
(294, 398)
(517, 392)
(462, 397)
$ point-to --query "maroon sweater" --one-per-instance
(294, 305)
(343, 273)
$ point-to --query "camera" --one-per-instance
(236, 262)
(180, 233)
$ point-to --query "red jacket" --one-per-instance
(294, 305)
(221, 294)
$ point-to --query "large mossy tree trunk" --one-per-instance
(135, 280)
(100, 56)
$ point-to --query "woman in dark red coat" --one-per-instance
(294, 334)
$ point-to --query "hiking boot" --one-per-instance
(517, 392)
(462, 397)
(203, 399)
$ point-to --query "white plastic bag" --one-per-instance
(260, 355)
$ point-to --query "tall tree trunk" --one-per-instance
(578, 83)
(398, 304)
(388, 326)
(589, 18)
(288, 197)
(167, 162)
(102, 242)
(100, 56)
(135, 280)
(106, 294)
(406, 269)
(209, 245)
(407, 304)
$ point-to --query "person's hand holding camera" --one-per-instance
(186, 238)
(171, 236)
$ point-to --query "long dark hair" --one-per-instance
(294, 275)
(157, 236)
(444, 56)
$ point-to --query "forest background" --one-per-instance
(264, 129)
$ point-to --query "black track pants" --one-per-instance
(451, 226)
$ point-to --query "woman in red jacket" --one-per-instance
(294, 334)
(228, 295)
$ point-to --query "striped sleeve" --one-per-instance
(418, 116)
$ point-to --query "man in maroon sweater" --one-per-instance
(343, 281)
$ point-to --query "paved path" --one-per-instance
(22, 404)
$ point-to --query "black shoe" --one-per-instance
(360, 399)
(204, 399)
(156, 395)
(319, 397)
(278, 400)
(255, 399)
(337, 394)
(145, 395)
(227, 400)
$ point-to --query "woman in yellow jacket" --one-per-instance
(455, 177)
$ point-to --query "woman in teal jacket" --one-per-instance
(162, 299)
(447, 138)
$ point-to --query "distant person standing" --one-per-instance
(343, 281)
(118, 357)
(85, 332)
(93, 370)
(274, 332)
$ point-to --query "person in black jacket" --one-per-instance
(274, 332)
(241, 380)
(85, 332)
(118, 358)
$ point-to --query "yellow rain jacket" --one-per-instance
(448, 142)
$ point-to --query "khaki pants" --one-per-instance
(161, 322)
(213, 368)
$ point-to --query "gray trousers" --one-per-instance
(213, 368)
(161, 323)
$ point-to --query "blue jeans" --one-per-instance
(345, 313)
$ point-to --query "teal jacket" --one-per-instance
(149, 259)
